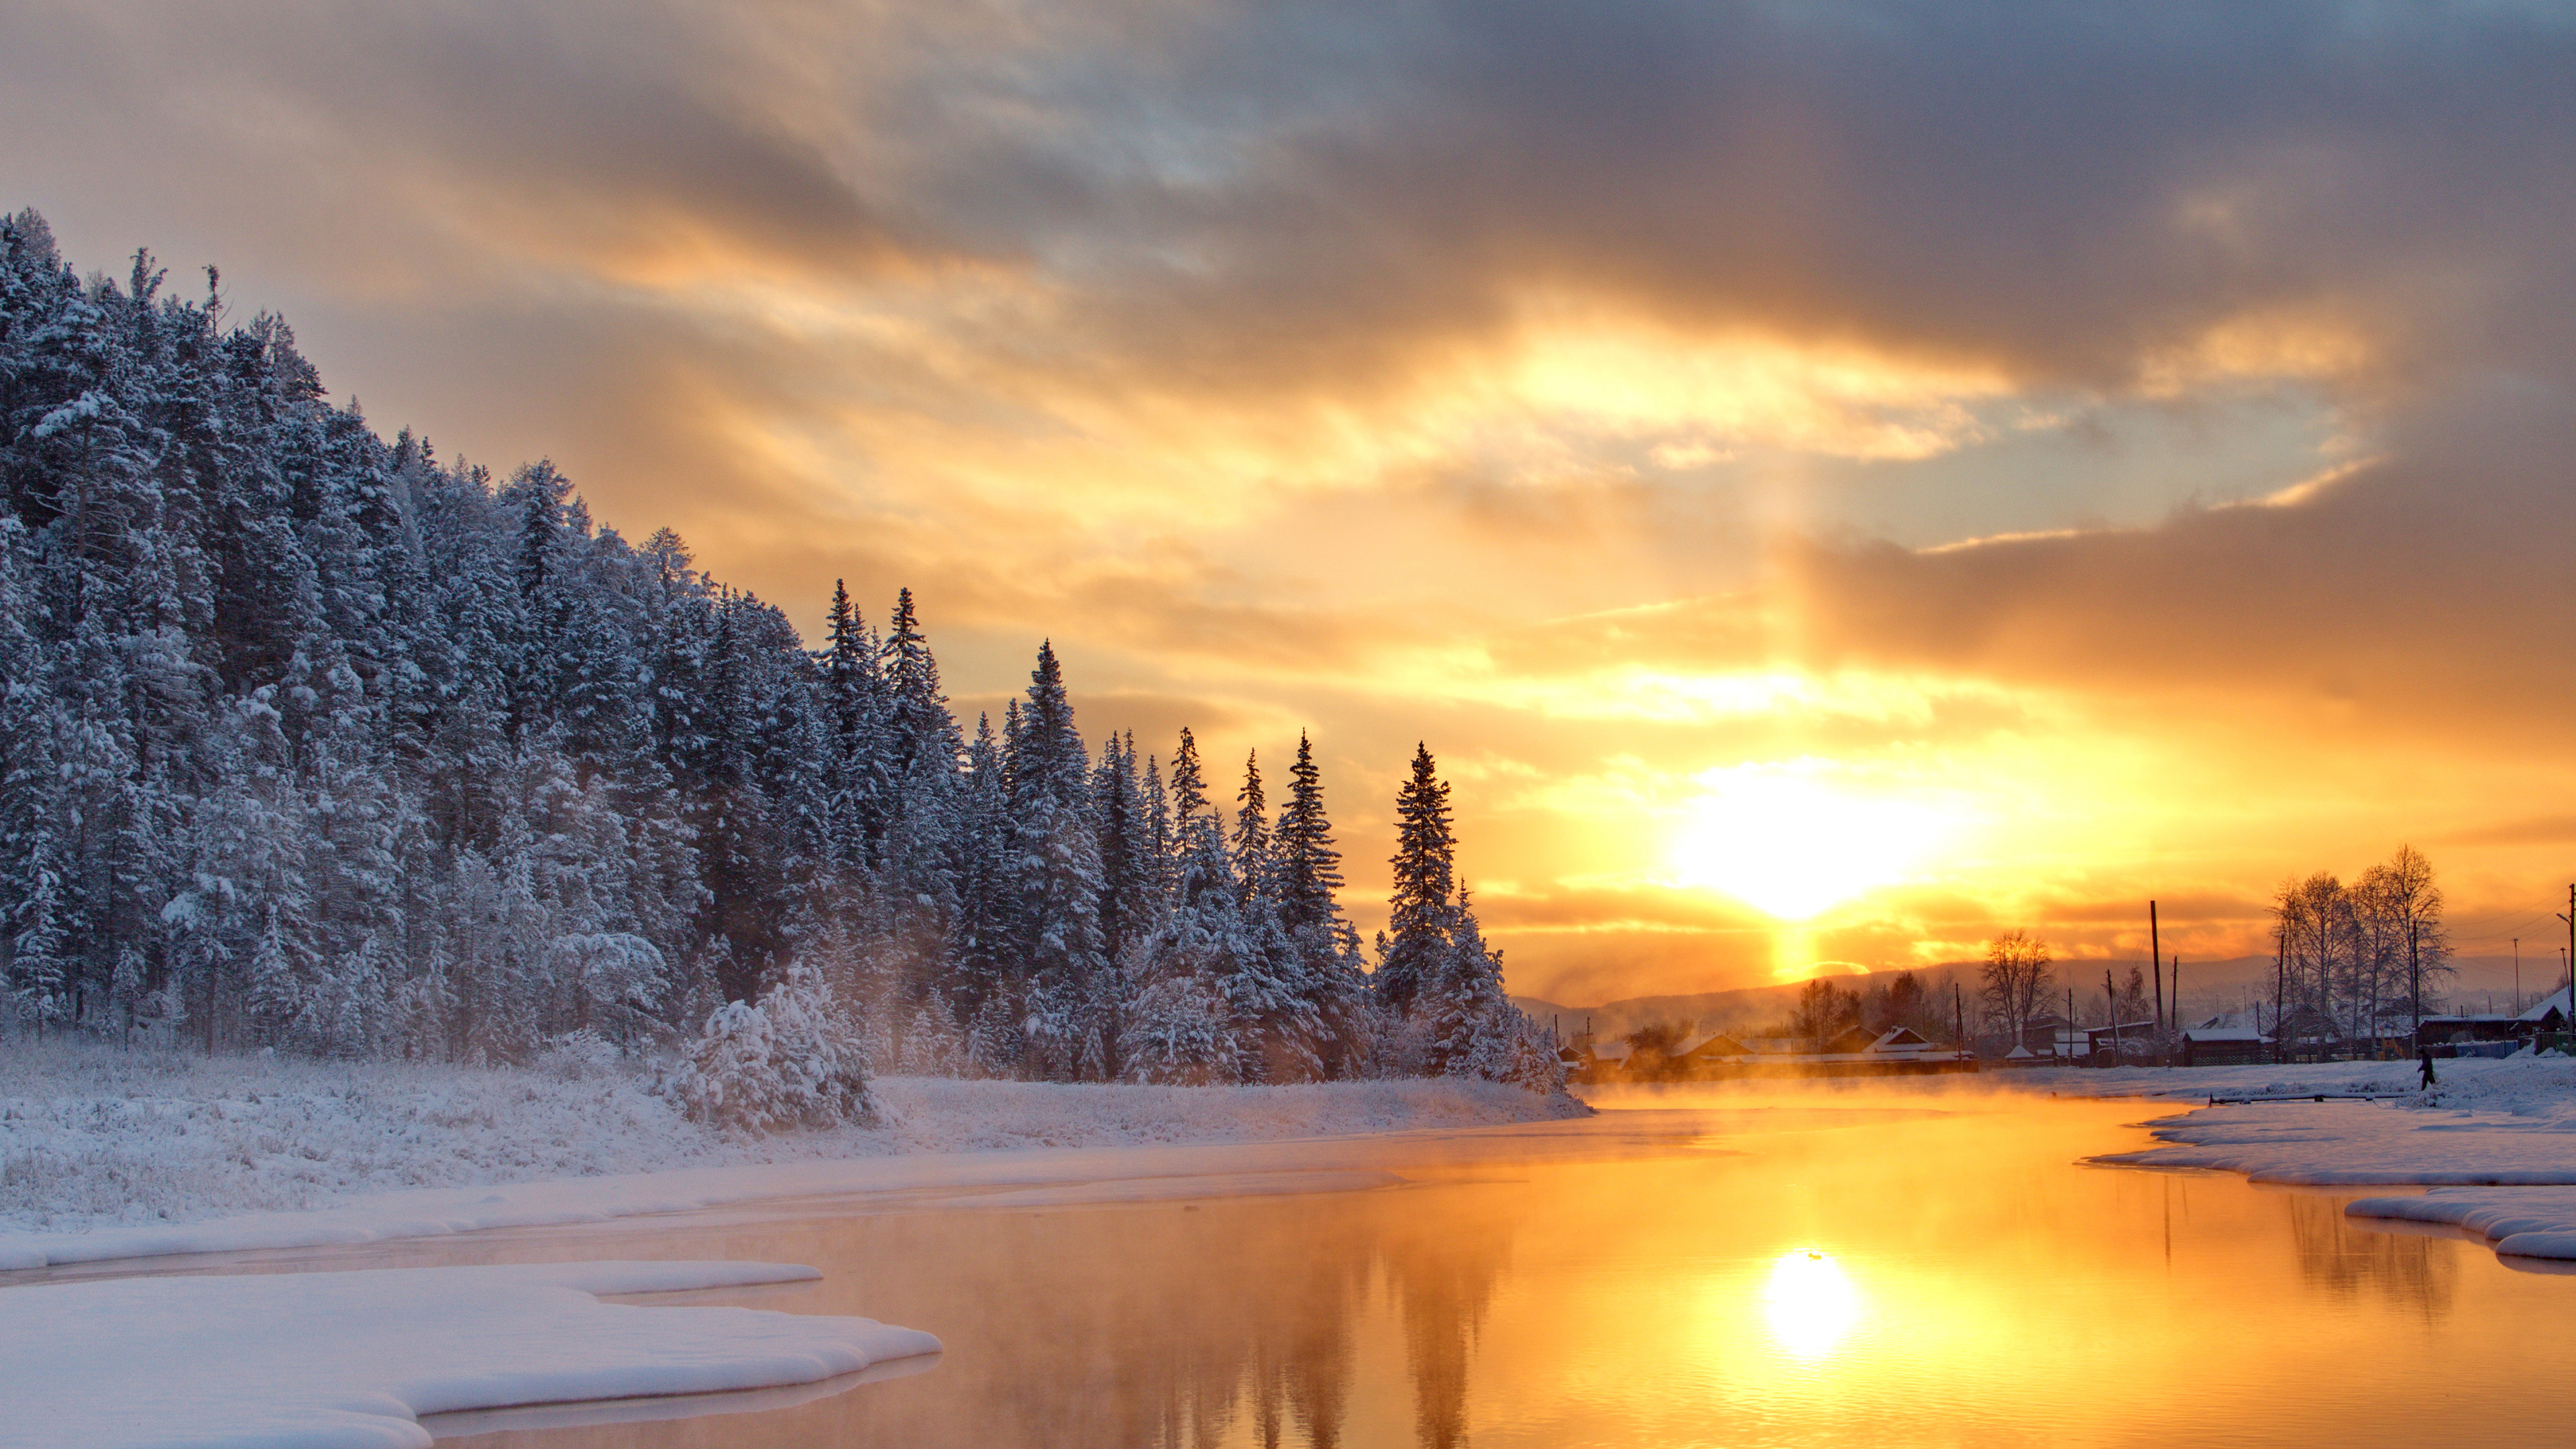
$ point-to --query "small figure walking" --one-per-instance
(2424, 1060)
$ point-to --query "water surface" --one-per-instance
(1946, 1273)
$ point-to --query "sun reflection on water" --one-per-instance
(1811, 1303)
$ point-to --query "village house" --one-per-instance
(2128, 1041)
(1700, 1052)
(2218, 1043)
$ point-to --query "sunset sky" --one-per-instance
(1828, 481)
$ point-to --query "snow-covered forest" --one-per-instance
(316, 742)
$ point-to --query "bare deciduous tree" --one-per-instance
(2412, 904)
(2016, 979)
(1823, 1009)
(2352, 957)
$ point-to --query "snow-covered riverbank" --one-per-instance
(92, 1138)
(114, 1156)
(326, 1360)
(2493, 1143)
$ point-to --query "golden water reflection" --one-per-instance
(1944, 1276)
(1810, 1302)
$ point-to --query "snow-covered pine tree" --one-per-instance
(1158, 865)
(984, 991)
(1468, 1026)
(1253, 866)
(1127, 867)
(918, 723)
(32, 969)
(931, 846)
(1420, 907)
(1310, 868)
(1438, 987)
(1184, 1022)
(860, 770)
(1328, 978)
(1056, 875)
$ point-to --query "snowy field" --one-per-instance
(92, 1137)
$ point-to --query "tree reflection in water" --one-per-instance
(1177, 1325)
(1443, 1271)
(2344, 1259)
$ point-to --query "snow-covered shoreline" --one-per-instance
(109, 1154)
(2493, 1144)
(114, 1159)
(327, 1360)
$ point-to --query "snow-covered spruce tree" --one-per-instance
(1225, 987)
(1468, 1027)
(1184, 1023)
(1419, 909)
(32, 970)
(927, 854)
(1069, 997)
(1329, 977)
(1128, 874)
(1252, 863)
(982, 989)
(793, 1059)
(1438, 987)
(858, 781)
(1281, 1026)
(1158, 873)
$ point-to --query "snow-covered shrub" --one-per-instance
(578, 1055)
(794, 1059)
(1180, 1033)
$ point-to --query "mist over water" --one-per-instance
(1817, 1267)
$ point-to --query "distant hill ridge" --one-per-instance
(2208, 988)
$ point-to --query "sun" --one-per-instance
(1791, 846)
(1810, 1302)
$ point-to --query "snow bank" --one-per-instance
(91, 1136)
(2486, 1122)
(2524, 1085)
(2495, 1140)
(109, 1154)
(327, 1360)
(2365, 1144)
(2518, 1222)
(912, 1181)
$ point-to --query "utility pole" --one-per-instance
(2568, 1020)
(2517, 976)
(1959, 1004)
(2156, 962)
(2280, 989)
(2111, 999)
(2177, 1001)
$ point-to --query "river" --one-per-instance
(1817, 1270)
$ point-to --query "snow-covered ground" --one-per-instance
(2517, 1084)
(92, 1138)
(2494, 1142)
(327, 1360)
